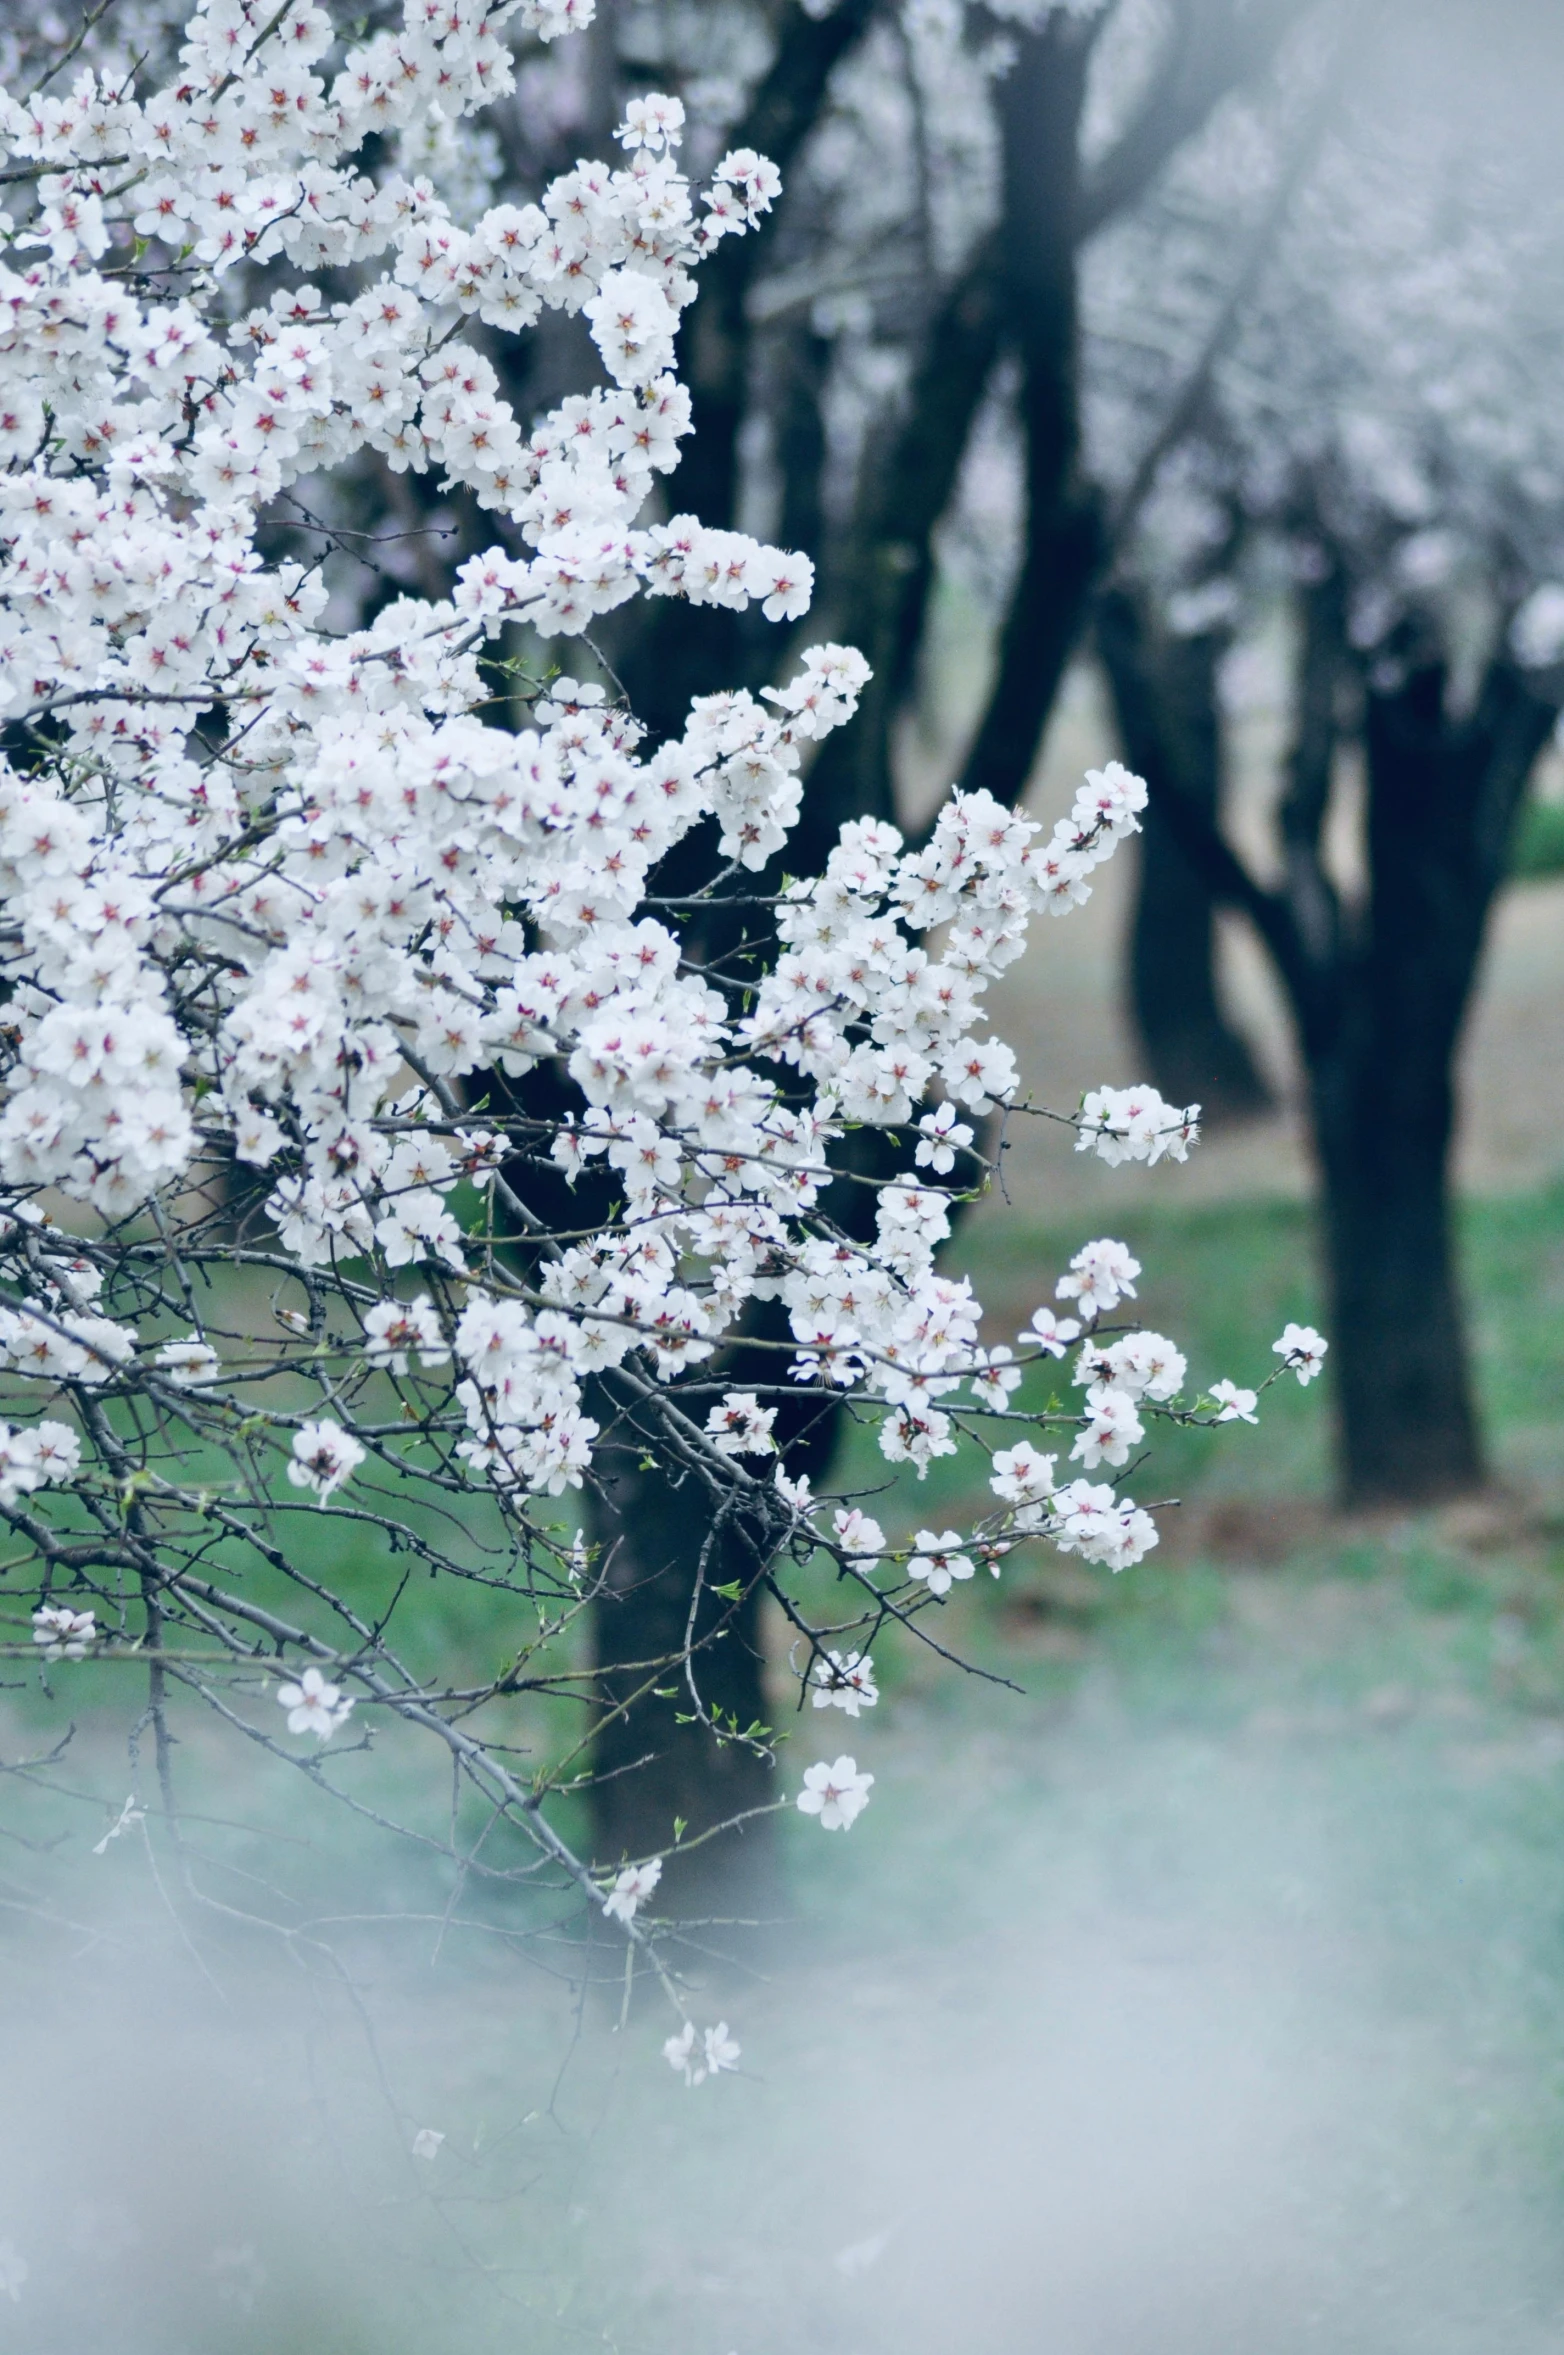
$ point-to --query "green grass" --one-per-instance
(1539, 843)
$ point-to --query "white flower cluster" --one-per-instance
(696, 2059)
(281, 898)
(140, 438)
(382, 885)
(1134, 1124)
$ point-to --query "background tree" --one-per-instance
(1383, 422)
(977, 150)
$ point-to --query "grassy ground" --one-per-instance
(1204, 1998)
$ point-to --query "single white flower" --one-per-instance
(1236, 1405)
(323, 1457)
(722, 2051)
(314, 1706)
(1022, 1476)
(856, 1533)
(63, 1633)
(796, 1494)
(1049, 1332)
(1111, 1429)
(837, 1793)
(938, 1561)
(1303, 1349)
(393, 1329)
(741, 1426)
(426, 2142)
(190, 1363)
(632, 1888)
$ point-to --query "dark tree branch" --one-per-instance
(1040, 102)
(717, 344)
(1311, 760)
(882, 577)
(1170, 729)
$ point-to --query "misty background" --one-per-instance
(1200, 376)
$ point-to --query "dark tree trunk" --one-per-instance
(654, 1759)
(1040, 102)
(654, 1534)
(1443, 796)
(1383, 1124)
(1165, 700)
(1378, 999)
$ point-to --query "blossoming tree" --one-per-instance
(1377, 448)
(288, 920)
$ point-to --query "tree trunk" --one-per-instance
(1407, 1423)
(1443, 795)
(1165, 700)
(1378, 998)
(1040, 101)
(656, 1765)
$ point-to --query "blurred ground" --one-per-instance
(1203, 1997)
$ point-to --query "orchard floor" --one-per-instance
(1205, 1997)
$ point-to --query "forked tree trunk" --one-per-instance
(1379, 998)
(1165, 701)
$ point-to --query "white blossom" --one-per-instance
(1021, 1476)
(697, 2059)
(314, 1706)
(843, 1680)
(1134, 1124)
(64, 1634)
(632, 1887)
(856, 1532)
(1111, 1429)
(721, 2049)
(394, 1330)
(1101, 1275)
(324, 1455)
(1236, 1405)
(189, 1364)
(837, 1793)
(1049, 1332)
(939, 1560)
(1301, 1348)
(741, 1426)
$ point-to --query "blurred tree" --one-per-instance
(1386, 421)
(1011, 292)
(946, 171)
